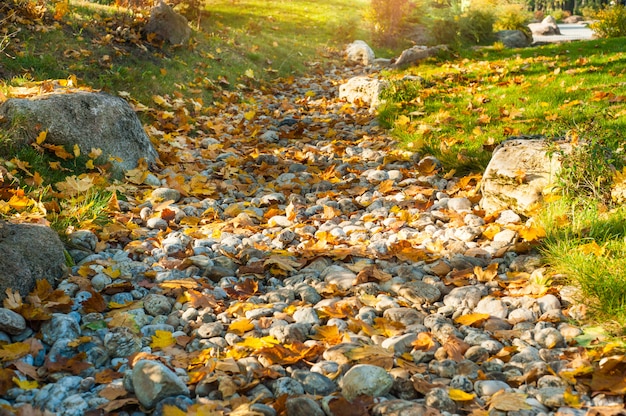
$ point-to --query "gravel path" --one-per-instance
(290, 260)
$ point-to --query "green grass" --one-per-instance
(468, 104)
(273, 38)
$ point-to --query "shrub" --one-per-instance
(512, 17)
(476, 26)
(611, 22)
(445, 30)
(388, 18)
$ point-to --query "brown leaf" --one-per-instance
(95, 303)
(360, 406)
(488, 274)
(372, 274)
(372, 354)
(455, 348)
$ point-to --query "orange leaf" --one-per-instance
(241, 326)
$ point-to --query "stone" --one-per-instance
(153, 381)
(29, 253)
(157, 304)
(168, 25)
(493, 306)
(306, 315)
(58, 327)
(419, 292)
(121, 342)
(546, 27)
(303, 406)
(501, 187)
(364, 89)
(314, 383)
(573, 19)
(165, 194)
(286, 385)
(438, 398)
(340, 276)
(490, 387)
(89, 120)
(417, 53)
(11, 322)
(359, 53)
(366, 379)
(513, 38)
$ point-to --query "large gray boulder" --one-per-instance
(359, 53)
(28, 253)
(519, 172)
(153, 381)
(513, 38)
(363, 89)
(90, 120)
(416, 54)
(168, 25)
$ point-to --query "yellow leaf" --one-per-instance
(249, 115)
(25, 384)
(54, 165)
(89, 164)
(76, 150)
(14, 351)
(42, 137)
(282, 262)
(471, 319)
(592, 248)
(95, 153)
(112, 273)
(329, 334)
(532, 233)
(20, 202)
(257, 343)
(249, 73)
(162, 339)
(171, 410)
(488, 274)
(491, 230)
(572, 399)
(241, 326)
(163, 71)
(460, 396)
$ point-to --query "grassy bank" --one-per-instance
(460, 109)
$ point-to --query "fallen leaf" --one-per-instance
(460, 396)
(472, 319)
(508, 401)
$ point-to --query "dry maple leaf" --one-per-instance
(455, 348)
(488, 274)
(475, 319)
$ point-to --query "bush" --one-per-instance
(611, 22)
(512, 17)
(476, 26)
(389, 18)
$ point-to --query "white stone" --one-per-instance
(366, 379)
(359, 52)
(363, 89)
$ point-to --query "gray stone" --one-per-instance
(439, 399)
(513, 38)
(490, 387)
(155, 304)
(417, 53)
(405, 316)
(366, 379)
(492, 306)
(168, 25)
(400, 344)
(303, 406)
(89, 120)
(342, 277)
(502, 188)
(29, 253)
(165, 194)
(121, 342)
(420, 292)
(359, 53)
(459, 204)
(306, 315)
(314, 383)
(551, 396)
(286, 385)
(468, 296)
(11, 322)
(153, 381)
(59, 326)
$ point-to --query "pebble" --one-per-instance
(365, 379)
(152, 381)
(11, 322)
